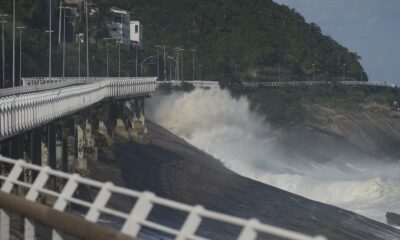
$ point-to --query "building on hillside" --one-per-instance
(136, 33)
(119, 27)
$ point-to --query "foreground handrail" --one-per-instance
(135, 219)
(63, 221)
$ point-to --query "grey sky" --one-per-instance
(369, 27)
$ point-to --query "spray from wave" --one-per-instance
(226, 128)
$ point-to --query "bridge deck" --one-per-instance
(28, 107)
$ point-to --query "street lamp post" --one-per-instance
(183, 76)
(79, 53)
(177, 73)
(170, 66)
(158, 61)
(200, 66)
(344, 71)
(13, 47)
(63, 66)
(119, 58)
(279, 72)
(87, 38)
(3, 49)
(50, 31)
(141, 64)
(193, 50)
(106, 39)
(136, 59)
(313, 71)
(165, 63)
(20, 53)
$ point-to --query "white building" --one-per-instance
(119, 26)
(136, 33)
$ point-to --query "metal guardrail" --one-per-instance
(32, 109)
(38, 84)
(196, 83)
(134, 220)
(313, 83)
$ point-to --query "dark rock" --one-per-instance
(393, 218)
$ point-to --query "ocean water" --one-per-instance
(226, 128)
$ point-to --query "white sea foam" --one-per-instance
(226, 128)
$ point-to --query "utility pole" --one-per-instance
(183, 76)
(106, 39)
(200, 66)
(136, 59)
(119, 58)
(59, 23)
(79, 54)
(165, 63)
(279, 72)
(193, 50)
(63, 66)
(361, 75)
(170, 66)
(3, 49)
(87, 38)
(177, 73)
(313, 70)
(13, 47)
(20, 53)
(344, 71)
(50, 31)
(158, 61)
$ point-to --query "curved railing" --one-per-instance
(32, 109)
(134, 219)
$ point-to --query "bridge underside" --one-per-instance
(70, 143)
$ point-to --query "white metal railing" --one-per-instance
(313, 83)
(32, 109)
(211, 84)
(196, 83)
(133, 220)
(81, 80)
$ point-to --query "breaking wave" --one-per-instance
(226, 128)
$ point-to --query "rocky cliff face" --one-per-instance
(375, 129)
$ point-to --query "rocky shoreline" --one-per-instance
(172, 168)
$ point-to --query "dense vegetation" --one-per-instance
(247, 38)
(235, 40)
(287, 106)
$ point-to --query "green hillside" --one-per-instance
(256, 36)
(235, 40)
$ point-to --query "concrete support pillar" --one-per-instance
(5, 149)
(59, 147)
(51, 144)
(81, 163)
(71, 151)
(36, 149)
(64, 156)
(138, 120)
(104, 125)
(90, 143)
(44, 150)
(120, 120)
(16, 145)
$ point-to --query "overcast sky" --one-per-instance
(369, 27)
